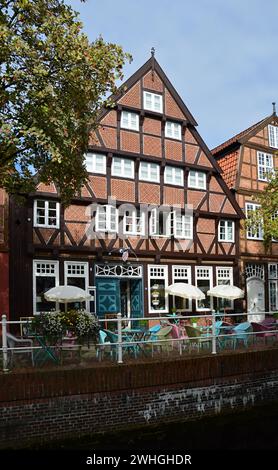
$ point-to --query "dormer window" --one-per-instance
(153, 102)
(273, 136)
(173, 130)
(130, 121)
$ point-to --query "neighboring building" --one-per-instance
(4, 254)
(246, 160)
(146, 151)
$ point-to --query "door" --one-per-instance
(136, 300)
(255, 299)
(108, 296)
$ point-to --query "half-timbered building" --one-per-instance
(155, 210)
(4, 254)
(247, 159)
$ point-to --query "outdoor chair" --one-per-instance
(162, 334)
(196, 338)
(240, 333)
(114, 338)
(177, 334)
(18, 344)
(267, 322)
(261, 331)
(104, 346)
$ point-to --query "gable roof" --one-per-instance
(242, 136)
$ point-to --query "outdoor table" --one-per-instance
(134, 335)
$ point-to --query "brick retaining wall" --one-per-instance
(62, 403)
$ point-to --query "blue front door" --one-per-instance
(136, 299)
(108, 296)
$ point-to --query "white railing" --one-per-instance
(209, 336)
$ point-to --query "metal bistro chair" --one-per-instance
(104, 346)
(113, 338)
(196, 338)
(240, 333)
(18, 344)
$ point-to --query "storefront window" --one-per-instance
(158, 281)
(45, 276)
(204, 282)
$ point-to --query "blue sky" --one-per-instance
(221, 56)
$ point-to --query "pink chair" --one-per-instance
(260, 331)
(176, 333)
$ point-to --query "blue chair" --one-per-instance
(240, 333)
(114, 338)
(103, 348)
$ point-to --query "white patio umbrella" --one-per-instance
(66, 294)
(225, 291)
(187, 291)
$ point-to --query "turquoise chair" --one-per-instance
(240, 333)
(114, 338)
(103, 348)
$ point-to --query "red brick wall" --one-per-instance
(173, 150)
(132, 97)
(152, 146)
(130, 141)
(149, 193)
(123, 190)
(153, 82)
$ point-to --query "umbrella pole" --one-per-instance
(66, 307)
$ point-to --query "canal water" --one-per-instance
(254, 429)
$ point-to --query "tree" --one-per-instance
(53, 82)
(266, 216)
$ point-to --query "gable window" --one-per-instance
(182, 225)
(46, 213)
(130, 120)
(173, 130)
(224, 276)
(173, 175)
(149, 172)
(255, 232)
(45, 276)
(273, 136)
(134, 222)
(265, 165)
(159, 221)
(95, 163)
(204, 282)
(197, 179)
(153, 102)
(106, 219)
(158, 281)
(123, 167)
(226, 231)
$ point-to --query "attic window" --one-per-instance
(273, 136)
(153, 102)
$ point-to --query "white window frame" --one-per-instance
(259, 230)
(154, 223)
(130, 120)
(173, 130)
(92, 165)
(273, 281)
(108, 219)
(210, 278)
(163, 274)
(197, 180)
(122, 164)
(46, 216)
(273, 136)
(226, 239)
(149, 104)
(229, 276)
(172, 179)
(84, 275)
(180, 277)
(186, 220)
(134, 220)
(264, 169)
(36, 274)
(150, 178)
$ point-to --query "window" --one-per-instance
(256, 231)
(158, 281)
(197, 179)
(160, 223)
(181, 274)
(130, 120)
(173, 175)
(173, 130)
(106, 219)
(46, 213)
(224, 276)
(123, 167)
(273, 136)
(134, 222)
(45, 276)
(182, 225)
(95, 163)
(273, 286)
(226, 231)
(204, 282)
(149, 172)
(153, 102)
(265, 165)
(76, 274)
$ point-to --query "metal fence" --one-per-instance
(210, 334)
